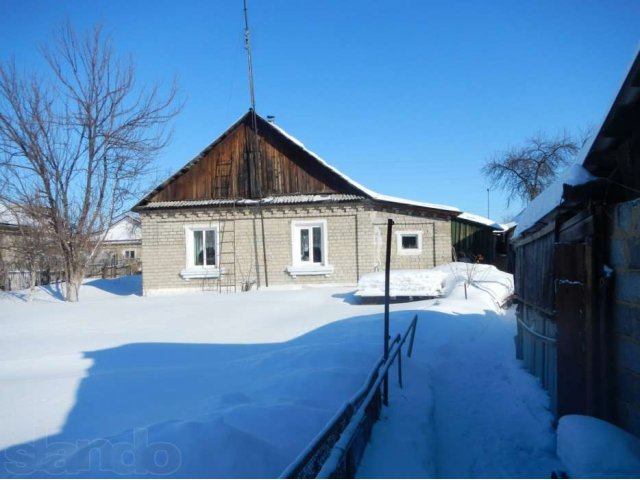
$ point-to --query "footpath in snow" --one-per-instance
(467, 409)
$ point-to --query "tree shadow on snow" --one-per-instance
(123, 286)
(55, 290)
(249, 408)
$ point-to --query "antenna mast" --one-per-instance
(247, 46)
(253, 159)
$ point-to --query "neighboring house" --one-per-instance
(474, 236)
(8, 238)
(577, 275)
(25, 255)
(121, 250)
(263, 210)
(123, 241)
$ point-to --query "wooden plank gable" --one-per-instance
(228, 170)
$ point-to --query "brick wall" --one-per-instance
(356, 237)
(625, 259)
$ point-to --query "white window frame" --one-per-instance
(124, 254)
(200, 271)
(409, 251)
(299, 267)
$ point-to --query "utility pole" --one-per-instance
(488, 210)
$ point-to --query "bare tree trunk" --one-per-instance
(74, 276)
(73, 287)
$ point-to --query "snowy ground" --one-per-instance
(236, 385)
(483, 416)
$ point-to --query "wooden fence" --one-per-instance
(337, 450)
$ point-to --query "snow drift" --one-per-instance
(407, 283)
(592, 448)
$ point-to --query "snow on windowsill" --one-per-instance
(304, 270)
(195, 272)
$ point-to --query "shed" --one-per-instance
(577, 275)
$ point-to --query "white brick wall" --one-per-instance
(356, 243)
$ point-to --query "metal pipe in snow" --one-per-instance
(387, 271)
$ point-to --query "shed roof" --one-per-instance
(589, 164)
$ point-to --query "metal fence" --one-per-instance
(337, 450)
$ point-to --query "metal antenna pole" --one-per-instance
(252, 160)
(488, 210)
(247, 46)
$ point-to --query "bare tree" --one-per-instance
(76, 144)
(525, 171)
(32, 249)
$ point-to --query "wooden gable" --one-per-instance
(227, 169)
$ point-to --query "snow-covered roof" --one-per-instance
(472, 217)
(12, 216)
(577, 174)
(126, 230)
(551, 197)
(367, 193)
(6, 216)
(370, 193)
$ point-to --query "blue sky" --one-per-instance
(407, 97)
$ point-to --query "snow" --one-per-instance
(551, 197)
(467, 409)
(407, 283)
(370, 193)
(593, 448)
(126, 229)
(10, 216)
(438, 281)
(237, 385)
(471, 217)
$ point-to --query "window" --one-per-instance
(204, 247)
(129, 254)
(310, 244)
(309, 248)
(409, 243)
(202, 252)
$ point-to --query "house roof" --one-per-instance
(588, 164)
(357, 189)
(279, 200)
(480, 220)
(126, 229)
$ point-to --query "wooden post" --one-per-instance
(387, 270)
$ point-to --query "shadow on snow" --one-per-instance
(251, 408)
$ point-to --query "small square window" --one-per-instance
(410, 242)
(130, 254)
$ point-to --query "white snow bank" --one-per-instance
(439, 281)
(407, 283)
(551, 197)
(498, 284)
(592, 448)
